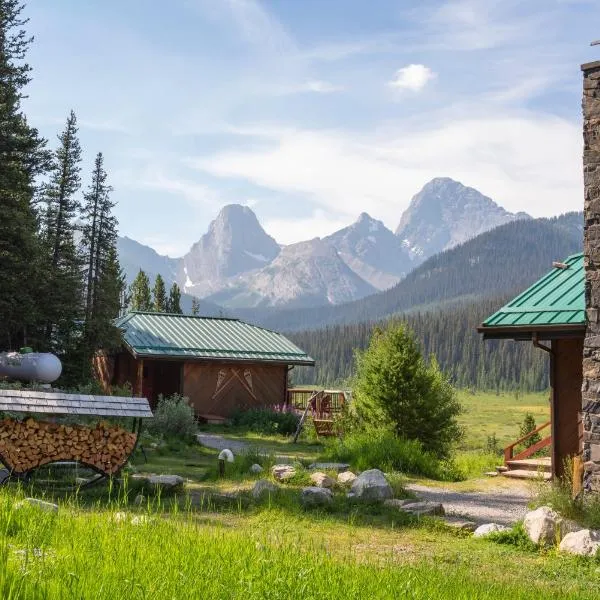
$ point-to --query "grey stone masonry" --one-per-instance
(591, 248)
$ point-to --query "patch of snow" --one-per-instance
(188, 282)
(374, 226)
(257, 256)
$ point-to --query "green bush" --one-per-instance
(173, 418)
(381, 449)
(395, 387)
(266, 420)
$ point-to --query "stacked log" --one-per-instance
(25, 445)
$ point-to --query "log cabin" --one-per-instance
(219, 364)
(551, 315)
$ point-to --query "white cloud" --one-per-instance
(290, 230)
(322, 87)
(412, 77)
(526, 162)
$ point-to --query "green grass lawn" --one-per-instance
(264, 551)
(486, 413)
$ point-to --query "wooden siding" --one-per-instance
(566, 400)
(219, 389)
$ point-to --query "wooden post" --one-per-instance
(140, 377)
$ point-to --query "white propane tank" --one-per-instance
(42, 367)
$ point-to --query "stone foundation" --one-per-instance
(591, 248)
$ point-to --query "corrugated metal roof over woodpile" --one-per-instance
(558, 298)
(58, 403)
(160, 335)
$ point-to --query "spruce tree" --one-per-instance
(62, 273)
(22, 159)
(195, 307)
(160, 295)
(140, 297)
(174, 301)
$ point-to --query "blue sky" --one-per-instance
(312, 111)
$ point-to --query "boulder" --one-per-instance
(484, 530)
(584, 542)
(424, 509)
(256, 468)
(263, 487)
(371, 485)
(322, 480)
(283, 472)
(546, 527)
(315, 496)
(41, 504)
(346, 478)
(330, 466)
(166, 482)
(119, 517)
(140, 520)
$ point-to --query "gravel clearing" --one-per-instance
(502, 505)
(218, 442)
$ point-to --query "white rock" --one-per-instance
(584, 542)
(140, 520)
(546, 527)
(41, 504)
(322, 480)
(371, 485)
(263, 487)
(397, 503)
(226, 454)
(315, 496)
(283, 472)
(256, 468)
(421, 509)
(119, 517)
(484, 530)
(166, 481)
(346, 478)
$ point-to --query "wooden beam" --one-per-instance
(140, 377)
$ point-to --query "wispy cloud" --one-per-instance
(412, 77)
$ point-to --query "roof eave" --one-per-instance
(526, 332)
(308, 362)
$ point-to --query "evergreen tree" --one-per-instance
(63, 281)
(195, 306)
(396, 388)
(140, 297)
(174, 301)
(22, 158)
(99, 232)
(526, 427)
(160, 295)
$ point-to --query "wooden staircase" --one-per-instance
(522, 465)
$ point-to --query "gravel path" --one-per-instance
(218, 442)
(502, 505)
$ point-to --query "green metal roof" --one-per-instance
(558, 298)
(161, 335)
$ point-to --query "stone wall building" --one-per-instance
(591, 353)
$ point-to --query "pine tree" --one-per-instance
(526, 427)
(22, 159)
(160, 295)
(195, 306)
(174, 301)
(140, 297)
(63, 281)
(99, 231)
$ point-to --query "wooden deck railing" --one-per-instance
(299, 397)
(543, 443)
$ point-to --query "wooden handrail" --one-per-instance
(508, 451)
(533, 449)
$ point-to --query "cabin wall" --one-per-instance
(220, 389)
(566, 401)
(591, 249)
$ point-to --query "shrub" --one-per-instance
(267, 420)
(395, 387)
(381, 449)
(526, 427)
(173, 417)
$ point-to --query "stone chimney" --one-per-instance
(591, 248)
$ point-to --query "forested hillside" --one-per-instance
(501, 261)
(450, 335)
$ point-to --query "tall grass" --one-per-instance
(95, 555)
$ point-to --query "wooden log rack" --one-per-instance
(26, 444)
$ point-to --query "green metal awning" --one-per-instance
(183, 337)
(554, 304)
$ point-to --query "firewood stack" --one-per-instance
(25, 445)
